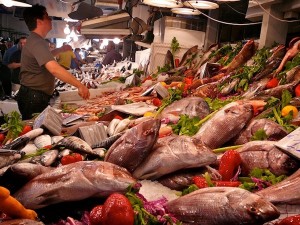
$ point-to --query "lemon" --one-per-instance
(163, 83)
(285, 111)
(149, 114)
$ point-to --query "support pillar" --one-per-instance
(212, 30)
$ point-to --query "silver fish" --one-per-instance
(255, 87)
(21, 222)
(46, 159)
(29, 170)
(74, 182)
(106, 143)
(9, 157)
(284, 192)
(76, 144)
(136, 143)
(225, 124)
(222, 205)
(173, 153)
(191, 106)
(265, 155)
(17, 143)
(273, 131)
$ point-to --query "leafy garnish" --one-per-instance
(259, 135)
(216, 104)
(174, 94)
(14, 125)
(190, 189)
(186, 125)
(174, 46)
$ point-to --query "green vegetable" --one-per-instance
(186, 125)
(174, 94)
(174, 46)
(224, 149)
(216, 104)
(259, 135)
(14, 125)
(38, 153)
(190, 189)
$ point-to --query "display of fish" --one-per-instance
(205, 57)
(225, 124)
(74, 182)
(284, 192)
(174, 153)
(136, 143)
(273, 131)
(136, 109)
(222, 205)
(9, 157)
(188, 55)
(265, 155)
(293, 74)
(191, 106)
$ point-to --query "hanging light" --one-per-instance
(227, 0)
(105, 42)
(116, 40)
(10, 3)
(67, 29)
(164, 3)
(201, 4)
(186, 11)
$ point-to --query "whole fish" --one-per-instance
(273, 130)
(284, 192)
(169, 59)
(209, 90)
(222, 205)
(46, 159)
(191, 106)
(293, 74)
(187, 55)
(173, 153)
(134, 146)
(265, 155)
(225, 124)
(106, 143)
(74, 182)
(21, 222)
(205, 57)
(8, 157)
(255, 87)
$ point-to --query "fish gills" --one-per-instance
(222, 205)
(134, 146)
(74, 182)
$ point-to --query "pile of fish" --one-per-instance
(121, 150)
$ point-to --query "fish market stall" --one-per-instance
(211, 139)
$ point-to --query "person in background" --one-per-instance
(112, 55)
(15, 61)
(64, 58)
(78, 61)
(38, 66)
(52, 46)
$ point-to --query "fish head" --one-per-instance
(148, 129)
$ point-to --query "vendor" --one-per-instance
(112, 55)
(39, 68)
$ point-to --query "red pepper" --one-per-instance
(74, 157)
(229, 163)
(2, 137)
(156, 102)
(118, 117)
(26, 129)
(297, 91)
(291, 220)
(201, 183)
(272, 83)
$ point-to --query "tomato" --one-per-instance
(26, 129)
(201, 182)
(74, 157)
(96, 215)
(291, 220)
(118, 117)
(2, 137)
(156, 102)
(117, 210)
(229, 163)
(272, 83)
(297, 91)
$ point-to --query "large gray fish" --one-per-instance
(173, 153)
(222, 205)
(255, 87)
(265, 155)
(191, 106)
(225, 124)
(284, 192)
(74, 182)
(134, 146)
(273, 131)
(8, 157)
(21, 222)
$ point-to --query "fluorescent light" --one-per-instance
(227, 0)
(201, 4)
(67, 29)
(186, 11)
(10, 3)
(164, 3)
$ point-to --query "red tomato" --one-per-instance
(118, 117)
(272, 83)
(96, 215)
(74, 157)
(2, 137)
(26, 129)
(156, 102)
(117, 210)
(229, 163)
(201, 183)
(297, 91)
(291, 220)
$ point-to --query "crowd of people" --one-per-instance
(32, 64)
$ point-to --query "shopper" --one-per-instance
(64, 58)
(39, 68)
(77, 62)
(112, 55)
(15, 61)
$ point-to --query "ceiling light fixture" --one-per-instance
(164, 3)
(201, 4)
(227, 0)
(67, 29)
(186, 11)
(10, 3)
